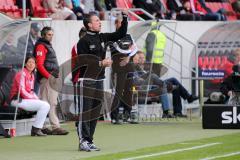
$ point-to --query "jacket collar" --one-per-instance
(92, 32)
(44, 40)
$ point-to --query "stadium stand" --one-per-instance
(38, 10)
(230, 13)
(127, 4)
(10, 8)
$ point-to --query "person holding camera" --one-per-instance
(48, 76)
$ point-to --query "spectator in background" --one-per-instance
(179, 11)
(155, 45)
(143, 77)
(93, 6)
(154, 7)
(179, 92)
(236, 6)
(8, 47)
(154, 48)
(77, 9)
(59, 12)
(32, 39)
(173, 86)
(110, 4)
(22, 88)
(10, 53)
(199, 7)
(68, 4)
(48, 76)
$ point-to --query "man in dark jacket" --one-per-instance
(48, 74)
(231, 85)
(92, 62)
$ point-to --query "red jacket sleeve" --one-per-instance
(75, 71)
(41, 52)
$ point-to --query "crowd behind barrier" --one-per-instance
(160, 9)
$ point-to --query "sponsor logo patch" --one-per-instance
(39, 53)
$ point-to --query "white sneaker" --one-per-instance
(93, 147)
(83, 146)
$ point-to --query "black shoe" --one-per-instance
(6, 133)
(180, 115)
(114, 121)
(37, 132)
(47, 131)
(59, 131)
(192, 98)
(167, 115)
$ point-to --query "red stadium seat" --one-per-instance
(126, 4)
(231, 14)
(10, 9)
(205, 62)
(215, 6)
(3, 3)
(200, 62)
(217, 62)
(38, 10)
(224, 61)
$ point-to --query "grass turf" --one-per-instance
(110, 138)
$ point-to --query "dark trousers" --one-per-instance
(178, 93)
(2, 131)
(36, 84)
(123, 94)
(90, 109)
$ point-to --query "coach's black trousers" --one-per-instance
(90, 106)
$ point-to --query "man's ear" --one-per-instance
(90, 25)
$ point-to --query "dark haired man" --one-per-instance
(48, 69)
(92, 45)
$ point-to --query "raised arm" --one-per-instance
(120, 33)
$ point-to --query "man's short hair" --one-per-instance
(82, 32)
(87, 19)
(140, 52)
(45, 30)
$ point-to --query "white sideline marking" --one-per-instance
(172, 151)
(221, 156)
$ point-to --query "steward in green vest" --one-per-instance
(154, 48)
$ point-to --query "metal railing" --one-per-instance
(131, 11)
